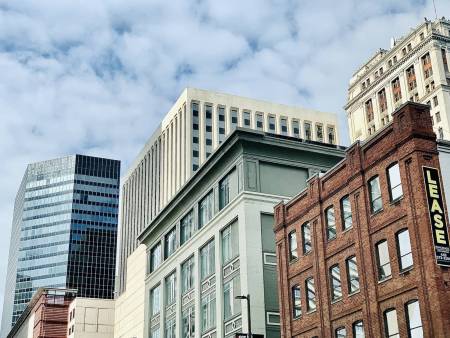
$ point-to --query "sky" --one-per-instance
(96, 77)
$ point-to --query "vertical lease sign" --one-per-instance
(437, 215)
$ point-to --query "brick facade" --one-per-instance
(409, 141)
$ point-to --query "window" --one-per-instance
(395, 183)
(391, 324)
(335, 283)
(409, 46)
(444, 59)
(272, 123)
(155, 332)
(187, 227)
(369, 111)
(154, 301)
(396, 90)
(234, 118)
(207, 259)
(228, 189)
(306, 238)
(292, 245)
(170, 328)
(382, 101)
(308, 134)
(283, 126)
(205, 209)
(188, 323)
(319, 132)
(341, 332)
(195, 135)
(310, 294)
(435, 101)
(331, 135)
(170, 287)
(208, 129)
(438, 117)
(247, 119)
(208, 311)
(358, 329)
(346, 212)
(383, 260)
(155, 257)
(187, 275)
(170, 242)
(413, 319)
(352, 274)
(296, 301)
(404, 250)
(395, 59)
(221, 123)
(230, 243)
(295, 128)
(231, 305)
(331, 223)
(411, 78)
(426, 64)
(440, 133)
(376, 203)
(404, 51)
(259, 121)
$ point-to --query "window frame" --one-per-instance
(296, 301)
(379, 266)
(407, 316)
(309, 299)
(390, 187)
(386, 326)
(399, 254)
(352, 259)
(304, 241)
(344, 218)
(327, 221)
(293, 251)
(354, 325)
(379, 197)
(333, 297)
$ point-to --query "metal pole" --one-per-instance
(249, 318)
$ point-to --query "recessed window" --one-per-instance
(295, 128)
(346, 212)
(188, 322)
(376, 203)
(155, 257)
(231, 305)
(319, 132)
(335, 283)
(296, 301)
(341, 332)
(206, 209)
(404, 250)
(435, 101)
(247, 119)
(170, 243)
(187, 227)
(208, 311)
(352, 275)
(228, 188)
(259, 121)
(395, 183)
(221, 123)
(170, 289)
(438, 117)
(306, 237)
(207, 260)
(383, 260)
(230, 243)
(391, 324)
(308, 133)
(283, 126)
(331, 223)
(292, 237)
(271, 123)
(234, 118)
(170, 328)
(310, 294)
(331, 135)
(358, 329)
(154, 301)
(187, 275)
(413, 319)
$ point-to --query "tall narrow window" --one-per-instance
(271, 124)
(335, 283)
(404, 250)
(411, 78)
(369, 110)
(230, 243)
(395, 183)
(296, 301)
(221, 123)
(205, 209)
(396, 90)
(195, 135)
(207, 259)
(234, 118)
(170, 289)
(228, 188)
(154, 332)
(413, 319)
(375, 194)
(170, 242)
(346, 212)
(188, 323)
(208, 130)
(308, 132)
(208, 311)
(331, 223)
(444, 59)
(310, 294)
(383, 260)
(341, 332)
(292, 237)
(382, 101)
(247, 119)
(284, 126)
(187, 275)
(352, 275)
(391, 324)
(319, 132)
(170, 328)
(231, 305)
(358, 329)
(426, 65)
(154, 301)
(187, 227)
(155, 257)
(306, 237)
(331, 135)
(295, 128)
(259, 121)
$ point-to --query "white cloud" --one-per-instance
(96, 77)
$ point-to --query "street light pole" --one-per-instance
(247, 298)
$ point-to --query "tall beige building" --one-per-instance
(414, 69)
(194, 127)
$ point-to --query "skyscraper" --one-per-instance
(64, 231)
(415, 69)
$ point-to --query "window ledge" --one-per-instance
(385, 280)
(292, 261)
(354, 293)
(373, 214)
(337, 300)
(397, 200)
(311, 311)
(347, 230)
(406, 271)
(331, 239)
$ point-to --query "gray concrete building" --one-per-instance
(214, 240)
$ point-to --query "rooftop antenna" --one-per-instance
(435, 11)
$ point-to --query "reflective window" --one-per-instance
(208, 312)
(187, 275)
(395, 183)
(404, 249)
(376, 203)
(154, 301)
(341, 332)
(207, 259)
(187, 227)
(352, 274)
(155, 332)
(206, 209)
(170, 242)
(310, 294)
(331, 223)
(170, 290)
(413, 319)
(170, 328)
(231, 305)
(346, 212)
(292, 245)
(296, 301)
(188, 323)
(335, 283)
(358, 329)
(155, 257)
(391, 324)
(306, 237)
(228, 189)
(383, 260)
(230, 243)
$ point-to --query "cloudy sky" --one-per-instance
(96, 77)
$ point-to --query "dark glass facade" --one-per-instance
(64, 231)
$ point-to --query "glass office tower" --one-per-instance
(64, 231)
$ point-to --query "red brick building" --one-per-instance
(356, 253)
